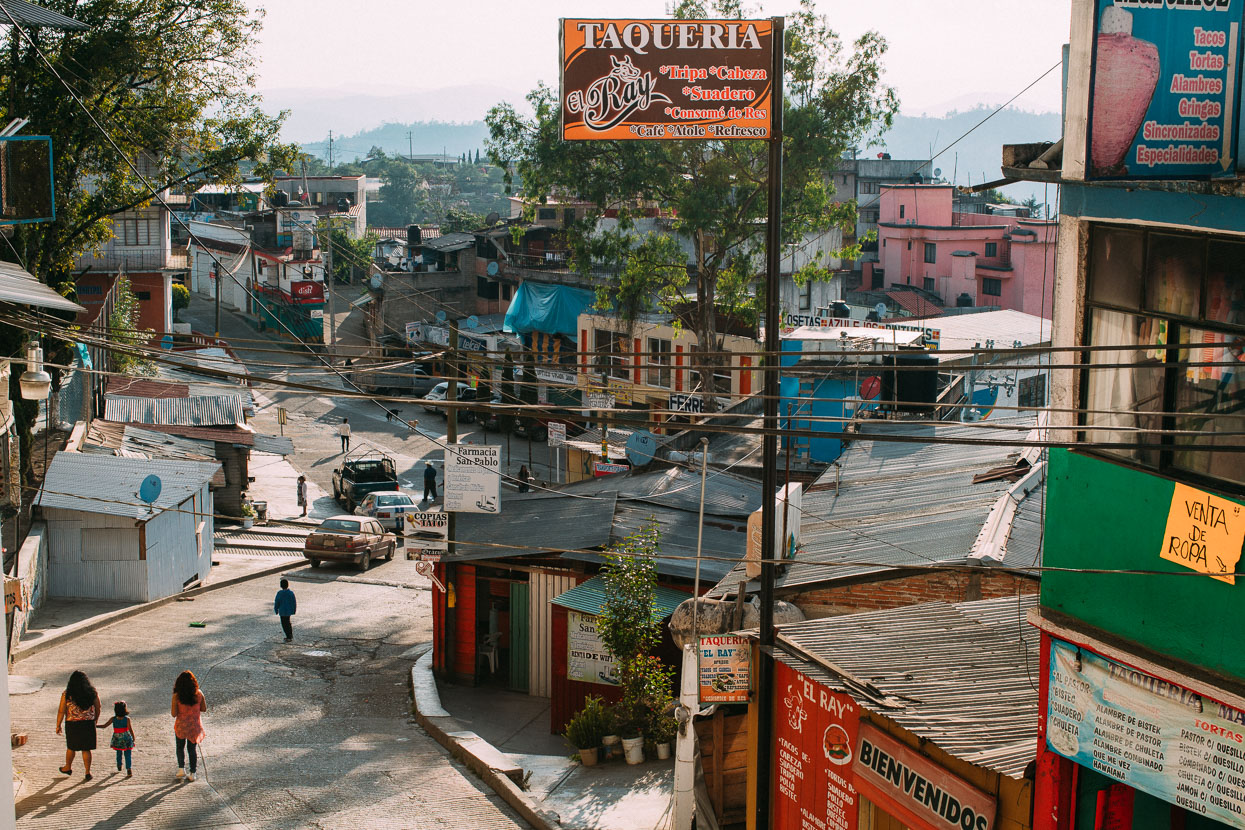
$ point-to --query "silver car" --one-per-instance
(387, 507)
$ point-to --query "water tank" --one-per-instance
(911, 380)
(280, 199)
(965, 300)
(840, 309)
(414, 236)
(343, 204)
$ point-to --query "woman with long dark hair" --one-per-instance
(79, 710)
(188, 707)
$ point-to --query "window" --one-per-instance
(929, 284)
(806, 294)
(992, 249)
(143, 296)
(1031, 392)
(991, 287)
(546, 213)
(869, 216)
(901, 207)
(869, 187)
(1147, 290)
(611, 353)
(568, 216)
(134, 231)
(658, 362)
(931, 252)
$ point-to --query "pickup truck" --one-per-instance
(361, 473)
(416, 381)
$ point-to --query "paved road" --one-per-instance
(313, 734)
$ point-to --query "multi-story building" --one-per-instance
(1142, 683)
(342, 197)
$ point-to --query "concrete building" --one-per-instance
(965, 259)
(339, 196)
(104, 542)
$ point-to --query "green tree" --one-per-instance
(349, 253)
(459, 220)
(124, 332)
(181, 298)
(1036, 208)
(399, 194)
(714, 192)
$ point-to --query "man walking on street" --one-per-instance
(284, 607)
(302, 493)
(430, 482)
(344, 432)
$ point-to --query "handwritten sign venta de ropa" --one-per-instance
(1204, 532)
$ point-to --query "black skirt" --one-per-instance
(80, 735)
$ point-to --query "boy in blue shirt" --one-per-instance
(284, 607)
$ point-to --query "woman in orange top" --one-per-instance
(188, 707)
(79, 709)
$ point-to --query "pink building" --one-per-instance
(967, 259)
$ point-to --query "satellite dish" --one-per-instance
(492, 269)
(441, 316)
(166, 342)
(880, 309)
(641, 447)
(937, 172)
(491, 219)
(149, 490)
(472, 322)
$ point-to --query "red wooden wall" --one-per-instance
(567, 696)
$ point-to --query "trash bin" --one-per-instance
(261, 510)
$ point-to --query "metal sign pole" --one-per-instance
(769, 443)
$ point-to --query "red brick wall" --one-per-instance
(943, 586)
(151, 310)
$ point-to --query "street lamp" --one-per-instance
(36, 384)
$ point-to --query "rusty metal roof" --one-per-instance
(146, 388)
(964, 676)
(201, 411)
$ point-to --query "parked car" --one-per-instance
(537, 428)
(490, 416)
(466, 392)
(356, 539)
(387, 508)
(362, 473)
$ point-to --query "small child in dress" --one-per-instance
(122, 735)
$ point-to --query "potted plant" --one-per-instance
(248, 514)
(587, 728)
(632, 721)
(661, 731)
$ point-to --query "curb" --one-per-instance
(450, 734)
(103, 620)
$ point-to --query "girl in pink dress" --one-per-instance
(188, 707)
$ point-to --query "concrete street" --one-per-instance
(313, 734)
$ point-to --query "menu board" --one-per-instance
(815, 730)
(587, 658)
(725, 669)
(1155, 736)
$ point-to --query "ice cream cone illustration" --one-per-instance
(1126, 72)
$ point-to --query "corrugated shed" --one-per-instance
(449, 242)
(679, 487)
(896, 505)
(19, 287)
(109, 485)
(589, 598)
(530, 525)
(203, 411)
(964, 676)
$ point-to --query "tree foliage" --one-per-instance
(713, 192)
(123, 331)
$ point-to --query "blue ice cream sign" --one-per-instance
(1149, 733)
(1166, 89)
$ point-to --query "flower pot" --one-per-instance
(588, 757)
(610, 746)
(247, 521)
(663, 751)
(633, 749)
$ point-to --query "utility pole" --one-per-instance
(327, 255)
(216, 271)
(410, 145)
(330, 149)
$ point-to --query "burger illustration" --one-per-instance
(837, 745)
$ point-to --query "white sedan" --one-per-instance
(387, 507)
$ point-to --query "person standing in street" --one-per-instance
(344, 432)
(302, 493)
(523, 477)
(189, 706)
(122, 735)
(285, 606)
(79, 709)
(430, 482)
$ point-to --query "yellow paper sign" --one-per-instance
(1204, 532)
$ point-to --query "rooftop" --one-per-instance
(77, 481)
(1005, 327)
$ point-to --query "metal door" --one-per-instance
(520, 631)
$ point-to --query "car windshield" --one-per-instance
(341, 524)
(392, 499)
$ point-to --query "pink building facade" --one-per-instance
(970, 259)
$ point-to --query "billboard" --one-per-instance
(1166, 89)
(473, 479)
(725, 669)
(666, 79)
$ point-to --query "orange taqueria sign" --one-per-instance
(662, 79)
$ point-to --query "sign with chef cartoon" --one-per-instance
(1166, 91)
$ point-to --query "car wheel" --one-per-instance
(315, 563)
(350, 505)
(392, 550)
(365, 561)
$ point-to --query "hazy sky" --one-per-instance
(943, 53)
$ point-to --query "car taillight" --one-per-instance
(384, 515)
(355, 544)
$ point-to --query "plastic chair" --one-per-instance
(488, 651)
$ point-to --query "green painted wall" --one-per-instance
(1104, 515)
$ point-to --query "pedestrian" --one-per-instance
(343, 431)
(302, 493)
(79, 709)
(285, 606)
(122, 735)
(189, 706)
(523, 476)
(430, 482)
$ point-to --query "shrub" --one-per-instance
(590, 724)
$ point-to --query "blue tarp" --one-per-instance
(553, 309)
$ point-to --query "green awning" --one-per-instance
(589, 598)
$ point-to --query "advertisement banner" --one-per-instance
(815, 734)
(604, 468)
(1153, 735)
(651, 79)
(473, 479)
(557, 433)
(725, 669)
(1204, 532)
(587, 659)
(1166, 89)
(427, 530)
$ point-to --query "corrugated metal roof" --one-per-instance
(275, 444)
(589, 597)
(449, 242)
(679, 487)
(137, 441)
(964, 676)
(202, 411)
(532, 524)
(106, 484)
(28, 14)
(146, 388)
(20, 287)
(914, 303)
(229, 435)
(898, 505)
(1005, 327)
